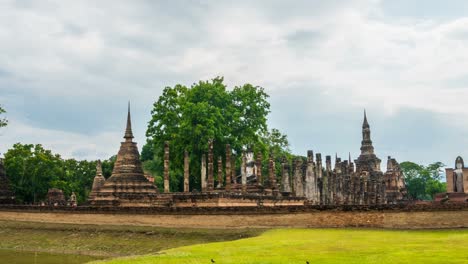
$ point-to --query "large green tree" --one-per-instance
(423, 182)
(30, 169)
(188, 117)
(3, 121)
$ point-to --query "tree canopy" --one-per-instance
(423, 182)
(189, 117)
(33, 170)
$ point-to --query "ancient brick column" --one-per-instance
(228, 167)
(346, 182)
(220, 172)
(203, 173)
(233, 169)
(326, 180)
(259, 169)
(330, 183)
(166, 167)
(286, 186)
(210, 184)
(186, 171)
(244, 173)
(298, 186)
(271, 172)
(319, 173)
(310, 179)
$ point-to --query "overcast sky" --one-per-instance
(68, 68)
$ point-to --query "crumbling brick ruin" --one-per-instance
(304, 182)
(457, 183)
(127, 186)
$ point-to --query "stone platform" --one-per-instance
(452, 197)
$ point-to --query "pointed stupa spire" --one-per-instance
(365, 124)
(99, 168)
(128, 130)
(366, 143)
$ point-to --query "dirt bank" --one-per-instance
(373, 219)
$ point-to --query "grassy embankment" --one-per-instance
(106, 241)
(324, 246)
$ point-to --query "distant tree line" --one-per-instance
(33, 170)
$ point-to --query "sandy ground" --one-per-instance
(407, 220)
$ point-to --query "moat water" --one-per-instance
(23, 257)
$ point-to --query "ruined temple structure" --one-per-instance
(305, 181)
(395, 186)
(250, 173)
(6, 194)
(127, 186)
(358, 182)
(98, 181)
(56, 197)
(350, 183)
(457, 183)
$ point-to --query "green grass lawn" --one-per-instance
(323, 246)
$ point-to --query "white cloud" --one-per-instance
(352, 54)
(67, 144)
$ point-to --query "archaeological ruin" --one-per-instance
(457, 183)
(308, 182)
(127, 186)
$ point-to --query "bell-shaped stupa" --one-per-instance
(127, 186)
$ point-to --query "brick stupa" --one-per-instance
(127, 185)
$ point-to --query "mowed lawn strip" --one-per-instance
(102, 240)
(323, 246)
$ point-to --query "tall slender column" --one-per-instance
(326, 180)
(271, 172)
(244, 172)
(203, 173)
(298, 187)
(186, 171)
(166, 167)
(220, 172)
(228, 167)
(310, 182)
(259, 169)
(285, 176)
(318, 159)
(233, 169)
(210, 185)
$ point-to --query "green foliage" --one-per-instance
(33, 170)
(423, 182)
(189, 117)
(3, 121)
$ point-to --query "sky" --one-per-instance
(68, 69)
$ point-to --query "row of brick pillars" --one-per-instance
(207, 170)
